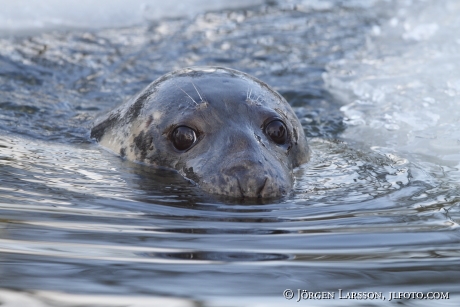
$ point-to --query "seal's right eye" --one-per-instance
(183, 137)
(277, 131)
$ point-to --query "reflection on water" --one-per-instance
(374, 210)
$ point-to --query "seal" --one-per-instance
(225, 130)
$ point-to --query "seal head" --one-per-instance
(227, 131)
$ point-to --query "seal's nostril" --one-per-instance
(261, 188)
(239, 187)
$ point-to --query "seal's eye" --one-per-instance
(277, 131)
(183, 137)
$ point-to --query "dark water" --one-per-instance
(376, 209)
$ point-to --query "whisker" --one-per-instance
(187, 95)
(197, 91)
(249, 96)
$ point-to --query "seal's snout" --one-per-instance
(250, 184)
(250, 179)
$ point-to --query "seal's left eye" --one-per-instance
(183, 137)
(277, 131)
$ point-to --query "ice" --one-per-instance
(420, 32)
(409, 77)
(27, 16)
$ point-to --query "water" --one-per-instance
(376, 87)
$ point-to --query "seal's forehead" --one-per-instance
(207, 70)
(215, 87)
(209, 81)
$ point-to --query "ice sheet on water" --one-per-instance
(402, 90)
(25, 16)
